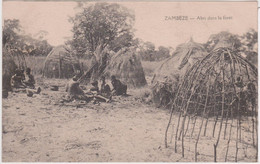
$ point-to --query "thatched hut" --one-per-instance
(8, 69)
(221, 90)
(60, 63)
(127, 67)
(173, 69)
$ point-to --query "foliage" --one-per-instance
(11, 29)
(245, 45)
(149, 53)
(103, 24)
(19, 44)
(249, 45)
(225, 38)
(162, 53)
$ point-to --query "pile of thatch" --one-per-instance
(173, 69)
(8, 69)
(60, 63)
(221, 88)
(127, 67)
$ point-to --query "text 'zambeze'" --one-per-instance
(200, 18)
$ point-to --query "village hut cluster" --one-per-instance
(124, 69)
(199, 87)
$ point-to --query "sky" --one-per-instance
(153, 23)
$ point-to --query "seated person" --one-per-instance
(98, 97)
(118, 87)
(29, 79)
(22, 74)
(16, 80)
(30, 92)
(94, 87)
(105, 88)
(73, 88)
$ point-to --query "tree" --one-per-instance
(11, 31)
(20, 44)
(162, 53)
(249, 45)
(245, 45)
(101, 25)
(147, 51)
(225, 39)
(125, 40)
(249, 40)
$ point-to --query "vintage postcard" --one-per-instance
(135, 81)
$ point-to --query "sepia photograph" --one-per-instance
(134, 81)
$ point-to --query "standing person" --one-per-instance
(118, 87)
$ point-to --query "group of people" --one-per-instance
(118, 87)
(104, 93)
(24, 80)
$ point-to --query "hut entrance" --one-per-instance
(216, 102)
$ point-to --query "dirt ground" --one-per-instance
(43, 129)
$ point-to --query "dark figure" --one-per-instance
(22, 74)
(239, 82)
(105, 88)
(75, 92)
(29, 79)
(118, 87)
(165, 95)
(94, 87)
(251, 93)
(16, 80)
(73, 88)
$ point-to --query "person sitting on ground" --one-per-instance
(75, 92)
(73, 88)
(22, 74)
(29, 79)
(105, 88)
(18, 84)
(16, 80)
(94, 87)
(118, 87)
(98, 97)
(30, 92)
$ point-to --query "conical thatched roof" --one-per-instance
(127, 67)
(183, 58)
(60, 63)
(174, 68)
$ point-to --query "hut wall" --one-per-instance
(8, 69)
(60, 64)
(127, 67)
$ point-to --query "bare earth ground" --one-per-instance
(43, 129)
